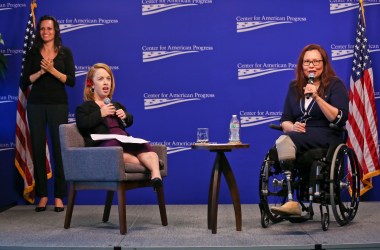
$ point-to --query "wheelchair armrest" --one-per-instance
(275, 126)
(334, 126)
(340, 129)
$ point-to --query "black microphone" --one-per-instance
(108, 101)
(310, 81)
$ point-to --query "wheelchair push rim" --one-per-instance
(344, 184)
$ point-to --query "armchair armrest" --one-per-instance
(93, 163)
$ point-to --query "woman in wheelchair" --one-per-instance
(316, 98)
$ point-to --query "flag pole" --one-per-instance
(33, 5)
(362, 8)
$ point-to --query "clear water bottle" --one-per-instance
(234, 130)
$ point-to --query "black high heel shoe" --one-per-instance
(156, 183)
(40, 209)
(58, 202)
(59, 209)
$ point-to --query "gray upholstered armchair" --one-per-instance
(103, 168)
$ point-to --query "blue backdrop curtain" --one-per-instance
(184, 64)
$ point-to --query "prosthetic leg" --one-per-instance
(286, 151)
(291, 207)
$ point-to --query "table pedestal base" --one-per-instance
(221, 166)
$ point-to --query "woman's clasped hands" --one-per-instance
(47, 65)
(299, 127)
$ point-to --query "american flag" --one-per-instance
(23, 158)
(362, 118)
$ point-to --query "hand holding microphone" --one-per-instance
(107, 109)
(310, 81)
(116, 111)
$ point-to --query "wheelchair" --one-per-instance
(319, 176)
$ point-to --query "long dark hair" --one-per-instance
(38, 42)
(327, 73)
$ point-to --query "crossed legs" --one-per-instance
(151, 162)
(147, 159)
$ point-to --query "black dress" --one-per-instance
(318, 133)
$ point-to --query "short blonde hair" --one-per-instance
(88, 94)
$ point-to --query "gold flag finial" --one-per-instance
(33, 5)
(362, 8)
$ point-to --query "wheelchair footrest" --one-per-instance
(297, 219)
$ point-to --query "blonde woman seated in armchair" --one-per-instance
(98, 116)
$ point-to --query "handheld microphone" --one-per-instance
(310, 81)
(108, 101)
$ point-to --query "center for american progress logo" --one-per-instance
(343, 51)
(159, 100)
(254, 118)
(252, 70)
(152, 53)
(150, 7)
(11, 6)
(67, 24)
(244, 24)
(81, 70)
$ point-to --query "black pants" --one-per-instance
(41, 116)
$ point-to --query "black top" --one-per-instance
(48, 89)
(318, 133)
(90, 121)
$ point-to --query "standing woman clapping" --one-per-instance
(49, 68)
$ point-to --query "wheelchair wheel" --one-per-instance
(272, 190)
(264, 219)
(344, 184)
